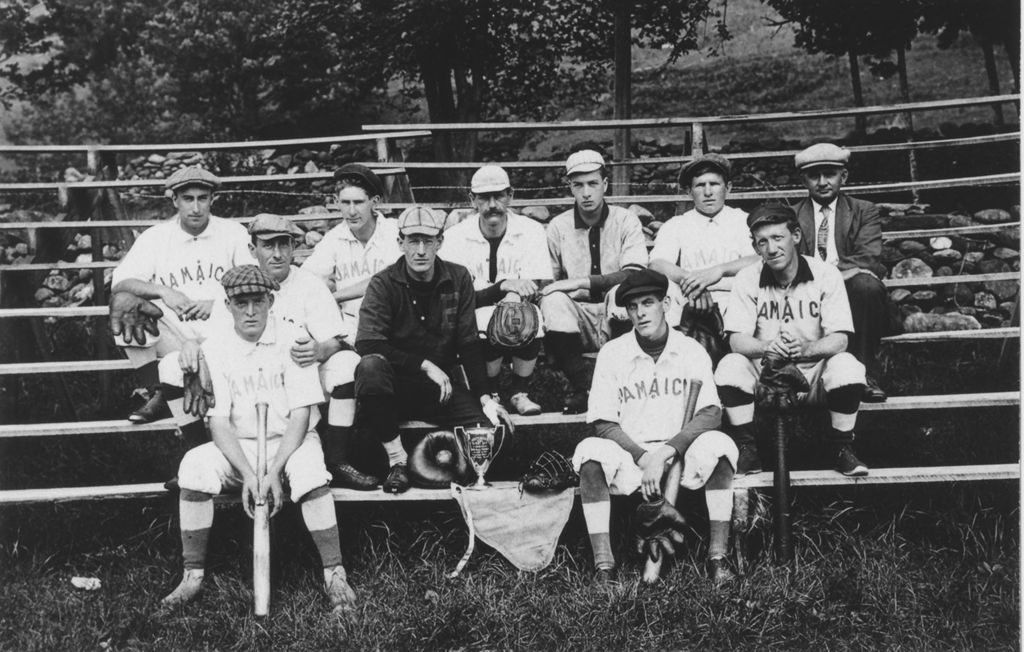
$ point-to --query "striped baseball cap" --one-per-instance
(247, 279)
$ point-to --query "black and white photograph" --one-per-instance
(526, 325)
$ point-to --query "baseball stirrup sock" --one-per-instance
(196, 516)
(336, 440)
(322, 522)
(597, 512)
(718, 494)
(396, 452)
(843, 404)
(341, 410)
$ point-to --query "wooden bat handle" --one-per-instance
(652, 569)
(261, 522)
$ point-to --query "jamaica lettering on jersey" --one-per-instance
(358, 269)
(246, 388)
(507, 268)
(200, 273)
(786, 311)
(652, 388)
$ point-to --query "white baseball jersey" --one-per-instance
(244, 372)
(694, 241)
(522, 253)
(813, 306)
(167, 255)
(341, 256)
(573, 256)
(647, 398)
(305, 302)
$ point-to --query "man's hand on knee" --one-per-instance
(132, 317)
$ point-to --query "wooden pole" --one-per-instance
(623, 94)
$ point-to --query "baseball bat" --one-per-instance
(652, 569)
(261, 521)
(783, 525)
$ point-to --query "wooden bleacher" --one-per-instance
(986, 400)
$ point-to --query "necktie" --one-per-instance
(823, 233)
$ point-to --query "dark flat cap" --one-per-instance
(646, 281)
(247, 279)
(363, 177)
(705, 162)
(770, 213)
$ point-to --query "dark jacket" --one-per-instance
(389, 324)
(858, 233)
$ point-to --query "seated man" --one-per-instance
(364, 243)
(847, 234)
(640, 388)
(703, 248)
(507, 256)
(251, 363)
(417, 323)
(178, 265)
(794, 307)
(593, 248)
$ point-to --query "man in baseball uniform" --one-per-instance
(417, 324)
(847, 233)
(795, 307)
(593, 248)
(703, 248)
(640, 388)
(507, 256)
(178, 266)
(249, 363)
(360, 246)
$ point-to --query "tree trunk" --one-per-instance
(623, 91)
(860, 122)
(993, 78)
(901, 64)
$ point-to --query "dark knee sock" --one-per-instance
(149, 374)
(567, 350)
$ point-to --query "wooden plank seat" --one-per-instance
(122, 426)
(809, 478)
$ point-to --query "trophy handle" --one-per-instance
(500, 428)
(460, 436)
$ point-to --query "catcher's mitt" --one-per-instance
(436, 461)
(781, 386)
(513, 324)
(198, 390)
(659, 529)
(550, 472)
(133, 317)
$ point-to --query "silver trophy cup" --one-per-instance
(477, 445)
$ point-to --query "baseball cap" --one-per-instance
(247, 279)
(490, 178)
(702, 164)
(267, 226)
(645, 281)
(585, 160)
(822, 154)
(769, 213)
(420, 220)
(192, 175)
(363, 176)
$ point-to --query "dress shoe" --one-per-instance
(349, 477)
(872, 392)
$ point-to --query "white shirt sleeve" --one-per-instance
(138, 263)
(666, 243)
(835, 306)
(322, 261)
(537, 265)
(302, 385)
(323, 318)
(741, 315)
(221, 386)
(634, 247)
(603, 403)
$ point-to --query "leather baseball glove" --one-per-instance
(436, 461)
(133, 316)
(781, 385)
(551, 471)
(513, 324)
(659, 529)
(198, 390)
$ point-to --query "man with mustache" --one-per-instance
(847, 233)
(793, 307)
(506, 253)
(364, 243)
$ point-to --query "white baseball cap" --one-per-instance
(585, 160)
(490, 178)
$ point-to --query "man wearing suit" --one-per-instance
(847, 233)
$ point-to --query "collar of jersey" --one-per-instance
(672, 346)
(580, 224)
(186, 236)
(803, 275)
(346, 233)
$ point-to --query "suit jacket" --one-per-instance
(858, 233)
